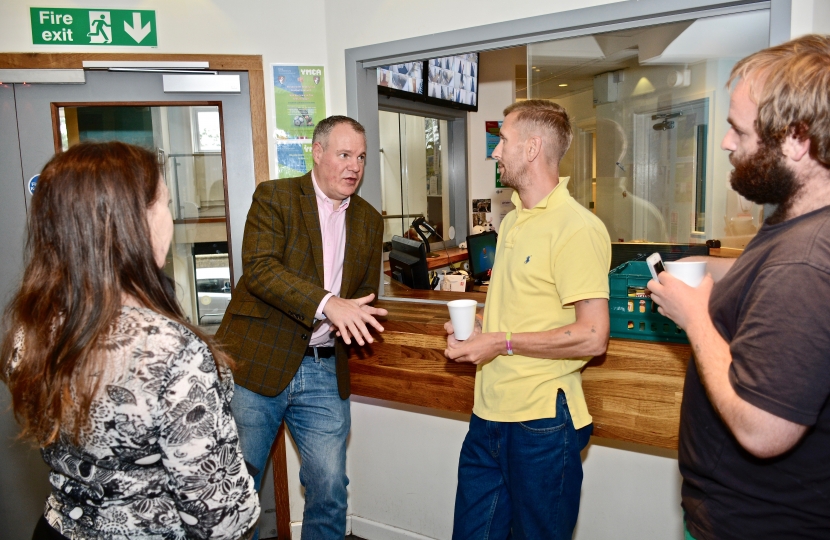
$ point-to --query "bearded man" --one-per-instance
(755, 422)
(546, 316)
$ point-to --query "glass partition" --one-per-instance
(649, 108)
(414, 173)
(188, 142)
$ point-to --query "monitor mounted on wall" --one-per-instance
(447, 81)
(452, 81)
(402, 80)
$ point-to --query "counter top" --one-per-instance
(725, 252)
(399, 290)
(633, 391)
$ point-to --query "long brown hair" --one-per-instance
(89, 242)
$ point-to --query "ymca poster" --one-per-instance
(299, 103)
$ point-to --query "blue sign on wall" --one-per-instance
(33, 183)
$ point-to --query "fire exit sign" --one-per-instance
(99, 26)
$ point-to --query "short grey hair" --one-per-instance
(323, 128)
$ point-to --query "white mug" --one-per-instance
(689, 272)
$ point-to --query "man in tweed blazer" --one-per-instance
(311, 258)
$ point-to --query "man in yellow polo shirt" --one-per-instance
(546, 315)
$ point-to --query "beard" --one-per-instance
(763, 178)
(515, 178)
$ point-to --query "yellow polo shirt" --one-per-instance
(547, 257)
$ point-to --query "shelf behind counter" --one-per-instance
(445, 257)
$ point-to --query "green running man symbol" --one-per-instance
(99, 28)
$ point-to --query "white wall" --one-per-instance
(496, 90)
(810, 16)
(403, 469)
(282, 32)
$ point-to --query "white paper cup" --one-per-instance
(689, 272)
(463, 317)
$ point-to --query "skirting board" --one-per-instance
(365, 528)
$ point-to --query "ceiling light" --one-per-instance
(564, 84)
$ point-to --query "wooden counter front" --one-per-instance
(633, 391)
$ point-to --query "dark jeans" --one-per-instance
(520, 479)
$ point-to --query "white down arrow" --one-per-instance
(136, 31)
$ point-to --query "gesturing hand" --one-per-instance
(351, 315)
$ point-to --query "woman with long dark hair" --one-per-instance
(128, 402)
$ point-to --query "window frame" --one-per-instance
(362, 100)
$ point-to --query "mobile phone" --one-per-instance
(655, 265)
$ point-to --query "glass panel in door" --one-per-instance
(414, 174)
(188, 142)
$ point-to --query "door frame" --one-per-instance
(216, 62)
(642, 122)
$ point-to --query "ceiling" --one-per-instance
(565, 67)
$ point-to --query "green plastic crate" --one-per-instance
(633, 314)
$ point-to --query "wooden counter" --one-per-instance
(725, 253)
(633, 391)
(398, 290)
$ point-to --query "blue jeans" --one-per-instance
(319, 422)
(520, 479)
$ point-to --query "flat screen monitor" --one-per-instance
(408, 263)
(402, 80)
(481, 251)
(452, 81)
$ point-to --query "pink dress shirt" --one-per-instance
(333, 231)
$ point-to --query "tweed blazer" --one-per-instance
(269, 321)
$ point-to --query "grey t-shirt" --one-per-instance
(772, 309)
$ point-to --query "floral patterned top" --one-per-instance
(160, 457)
